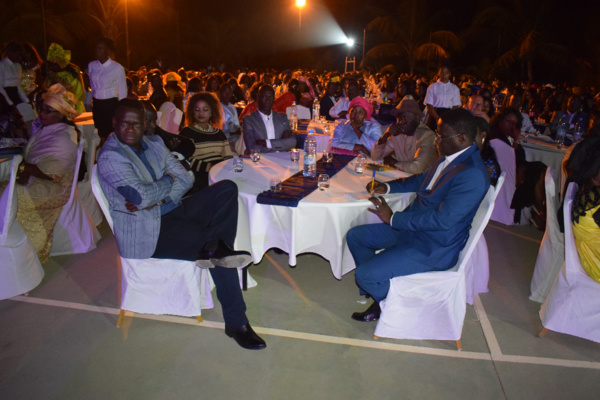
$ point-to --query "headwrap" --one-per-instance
(62, 101)
(58, 55)
(174, 77)
(310, 88)
(361, 101)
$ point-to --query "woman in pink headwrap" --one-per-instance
(359, 133)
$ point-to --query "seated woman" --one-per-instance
(585, 167)
(203, 119)
(486, 151)
(359, 133)
(506, 126)
(46, 174)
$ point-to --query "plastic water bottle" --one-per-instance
(562, 129)
(579, 129)
(294, 117)
(310, 155)
(316, 111)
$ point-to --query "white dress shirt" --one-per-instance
(443, 95)
(107, 80)
(268, 121)
(341, 105)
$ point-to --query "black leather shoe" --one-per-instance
(246, 337)
(224, 257)
(370, 314)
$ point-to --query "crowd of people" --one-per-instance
(439, 130)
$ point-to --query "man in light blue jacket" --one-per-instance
(144, 185)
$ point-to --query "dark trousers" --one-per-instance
(103, 113)
(207, 215)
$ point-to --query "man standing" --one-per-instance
(144, 185)
(407, 145)
(430, 233)
(107, 79)
(441, 97)
(265, 129)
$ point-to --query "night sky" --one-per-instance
(265, 33)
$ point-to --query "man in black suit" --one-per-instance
(328, 100)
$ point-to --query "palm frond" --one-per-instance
(430, 51)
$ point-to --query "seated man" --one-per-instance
(430, 233)
(475, 105)
(340, 109)
(265, 129)
(144, 185)
(328, 100)
(407, 145)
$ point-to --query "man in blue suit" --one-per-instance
(144, 185)
(430, 233)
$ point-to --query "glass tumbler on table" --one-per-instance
(255, 155)
(294, 155)
(359, 164)
(275, 184)
(323, 182)
(238, 164)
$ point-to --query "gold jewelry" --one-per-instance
(201, 129)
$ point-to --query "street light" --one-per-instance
(300, 4)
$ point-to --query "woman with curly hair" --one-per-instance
(203, 125)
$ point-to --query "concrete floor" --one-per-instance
(61, 342)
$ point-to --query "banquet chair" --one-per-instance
(572, 304)
(75, 231)
(477, 270)
(432, 305)
(170, 117)
(158, 286)
(502, 211)
(85, 186)
(20, 269)
(551, 254)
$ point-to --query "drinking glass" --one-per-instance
(255, 155)
(323, 182)
(275, 184)
(238, 165)
(294, 155)
(327, 156)
(359, 164)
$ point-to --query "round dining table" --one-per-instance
(543, 148)
(320, 221)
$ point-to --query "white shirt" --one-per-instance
(107, 80)
(231, 123)
(341, 105)
(268, 121)
(442, 165)
(443, 95)
(10, 76)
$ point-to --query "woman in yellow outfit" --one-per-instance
(585, 163)
(59, 69)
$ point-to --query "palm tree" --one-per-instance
(521, 33)
(408, 34)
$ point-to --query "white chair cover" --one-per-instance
(303, 112)
(85, 186)
(432, 305)
(20, 268)
(159, 286)
(75, 231)
(170, 117)
(477, 270)
(552, 249)
(572, 307)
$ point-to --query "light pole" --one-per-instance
(127, 34)
(300, 4)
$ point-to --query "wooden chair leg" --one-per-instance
(542, 332)
(199, 318)
(458, 345)
(120, 319)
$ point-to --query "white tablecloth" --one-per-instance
(542, 148)
(320, 222)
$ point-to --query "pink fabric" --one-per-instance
(361, 101)
(310, 88)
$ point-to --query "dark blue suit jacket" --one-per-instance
(437, 222)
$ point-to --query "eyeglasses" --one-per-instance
(135, 125)
(47, 110)
(439, 137)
